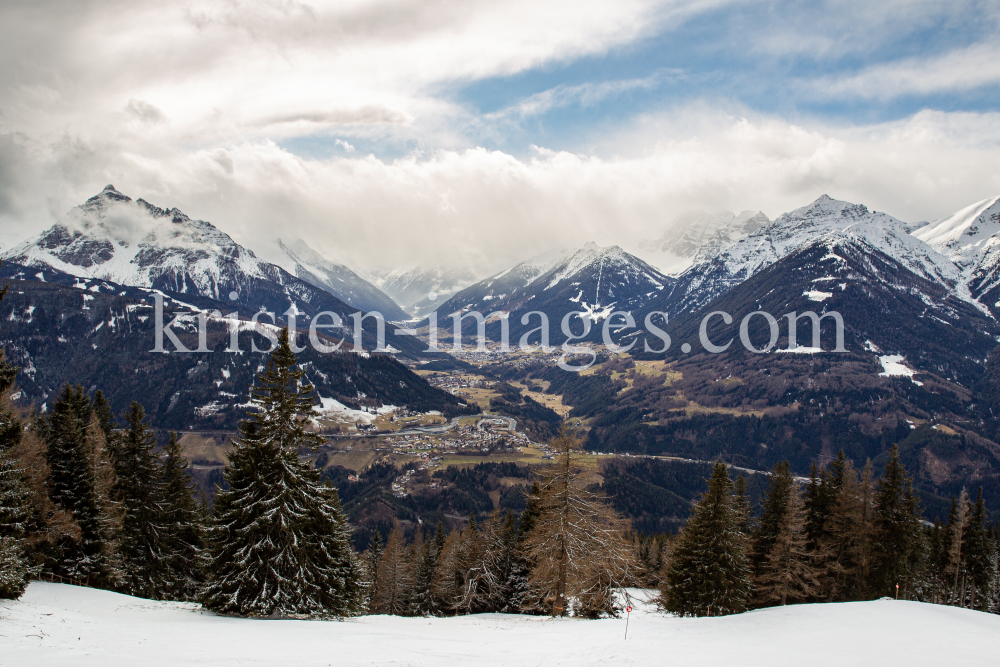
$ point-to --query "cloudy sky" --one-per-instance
(481, 132)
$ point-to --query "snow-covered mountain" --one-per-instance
(696, 237)
(412, 286)
(111, 237)
(303, 262)
(134, 243)
(824, 218)
(591, 279)
(971, 238)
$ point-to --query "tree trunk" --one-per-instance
(559, 608)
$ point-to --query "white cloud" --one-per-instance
(185, 104)
(490, 208)
(956, 71)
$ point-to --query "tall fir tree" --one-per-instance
(182, 527)
(468, 597)
(138, 488)
(978, 554)
(709, 572)
(78, 480)
(449, 581)
(898, 537)
(422, 601)
(280, 542)
(372, 557)
(846, 551)
(773, 515)
(820, 498)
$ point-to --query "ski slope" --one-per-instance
(57, 624)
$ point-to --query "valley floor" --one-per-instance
(56, 624)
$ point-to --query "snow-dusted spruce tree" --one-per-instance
(137, 488)
(13, 494)
(280, 543)
(181, 527)
(422, 600)
(789, 574)
(709, 572)
(13, 518)
(578, 545)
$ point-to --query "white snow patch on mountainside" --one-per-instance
(893, 366)
(57, 624)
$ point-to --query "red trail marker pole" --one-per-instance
(628, 614)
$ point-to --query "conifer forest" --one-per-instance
(93, 498)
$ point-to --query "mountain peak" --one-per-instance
(109, 188)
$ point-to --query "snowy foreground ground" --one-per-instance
(55, 624)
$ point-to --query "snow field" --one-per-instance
(58, 624)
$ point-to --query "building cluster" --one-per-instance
(455, 384)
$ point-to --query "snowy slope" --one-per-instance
(971, 238)
(60, 625)
(695, 237)
(302, 261)
(824, 218)
(965, 236)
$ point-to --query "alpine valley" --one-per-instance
(919, 366)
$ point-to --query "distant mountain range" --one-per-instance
(696, 237)
(422, 288)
